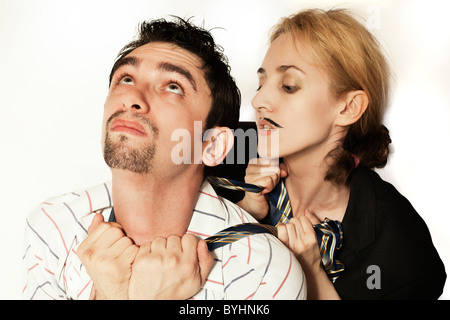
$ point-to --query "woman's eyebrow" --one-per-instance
(284, 68)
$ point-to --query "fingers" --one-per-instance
(187, 248)
(283, 170)
(120, 247)
(99, 226)
(171, 244)
(303, 226)
(106, 235)
(294, 233)
(283, 234)
(312, 217)
(265, 172)
(129, 254)
(96, 221)
(185, 245)
(103, 236)
(144, 249)
(170, 268)
(298, 234)
(205, 260)
(189, 244)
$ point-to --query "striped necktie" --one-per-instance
(329, 232)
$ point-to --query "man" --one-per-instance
(136, 237)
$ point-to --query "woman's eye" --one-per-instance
(290, 89)
(175, 88)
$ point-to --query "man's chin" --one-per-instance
(125, 157)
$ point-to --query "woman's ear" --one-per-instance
(219, 141)
(352, 107)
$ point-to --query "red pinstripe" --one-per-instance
(84, 288)
(224, 265)
(242, 215)
(249, 250)
(214, 281)
(287, 274)
(65, 281)
(209, 195)
(250, 296)
(34, 266)
(49, 271)
(90, 202)
(198, 233)
(57, 228)
(76, 271)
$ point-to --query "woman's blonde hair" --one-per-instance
(352, 57)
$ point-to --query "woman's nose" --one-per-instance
(262, 100)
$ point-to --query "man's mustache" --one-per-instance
(144, 121)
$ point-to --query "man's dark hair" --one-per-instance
(226, 98)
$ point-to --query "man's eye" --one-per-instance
(126, 80)
(175, 88)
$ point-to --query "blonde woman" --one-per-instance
(323, 88)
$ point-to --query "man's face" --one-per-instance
(157, 88)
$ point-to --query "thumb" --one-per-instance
(283, 170)
(96, 221)
(283, 234)
(312, 217)
(205, 260)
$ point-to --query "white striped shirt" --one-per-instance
(254, 267)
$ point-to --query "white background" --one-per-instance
(55, 58)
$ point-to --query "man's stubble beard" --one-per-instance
(121, 154)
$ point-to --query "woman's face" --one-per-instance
(293, 103)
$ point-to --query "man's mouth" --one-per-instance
(127, 126)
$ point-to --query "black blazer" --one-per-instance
(382, 229)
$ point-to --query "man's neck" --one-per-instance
(151, 206)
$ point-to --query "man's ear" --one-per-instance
(352, 107)
(216, 145)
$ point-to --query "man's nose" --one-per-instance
(135, 100)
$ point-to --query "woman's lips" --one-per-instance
(132, 127)
(266, 125)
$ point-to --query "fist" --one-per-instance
(173, 268)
